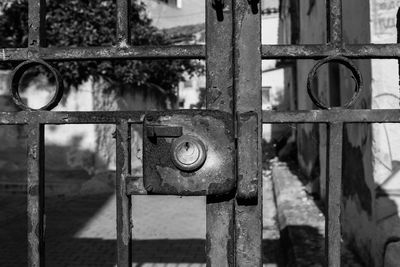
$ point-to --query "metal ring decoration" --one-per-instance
(17, 74)
(345, 62)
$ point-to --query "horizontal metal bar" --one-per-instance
(78, 117)
(362, 51)
(91, 53)
(333, 115)
(164, 131)
(112, 117)
(94, 117)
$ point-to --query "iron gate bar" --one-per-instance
(220, 235)
(35, 194)
(105, 53)
(75, 117)
(247, 70)
(334, 115)
(135, 185)
(123, 25)
(36, 26)
(232, 228)
(333, 234)
(334, 22)
(136, 117)
(35, 146)
(361, 51)
(124, 204)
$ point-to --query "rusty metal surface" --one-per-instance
(214, 177)
(333, 115)
(220, 211)
(361, 51)
(124, 226)
(18, 73)
(35, 194)
(36, 26)
(123, 23)
(136, 117)
(334, 194)
(78, 117)
(35, 145)
(164, 131)
(398, 41)
(98, 53)
(247, 71)
(134, 185)
(247, 161)
(334, 22)
(349, 65)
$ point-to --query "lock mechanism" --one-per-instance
(188, 152)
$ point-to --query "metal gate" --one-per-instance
(217, 152)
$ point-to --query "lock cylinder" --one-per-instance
(188, 153)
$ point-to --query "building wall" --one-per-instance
(370, 219)
(386, 155)
(272, 78)
(172, 13)
(311, 31)
(86, 147)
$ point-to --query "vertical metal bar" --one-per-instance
(334, 22)
(124, 234)
(247, 66)
(398, 41)
(334, 193)
(123, 28)
(219, 53)
(35, 194)
(36, 22)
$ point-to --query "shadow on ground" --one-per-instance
(69, 219)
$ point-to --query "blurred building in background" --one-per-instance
(91, 148)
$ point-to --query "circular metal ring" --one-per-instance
(345, 62)
(17, 74)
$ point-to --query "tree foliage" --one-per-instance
(85, 23)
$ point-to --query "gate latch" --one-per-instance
(188, 152)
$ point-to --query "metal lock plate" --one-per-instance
(189, 152)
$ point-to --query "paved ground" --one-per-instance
(168, 231)
(80, 231)
(301, 221)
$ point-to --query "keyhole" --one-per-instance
(188, 154)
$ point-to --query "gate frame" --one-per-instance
(233, 53)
